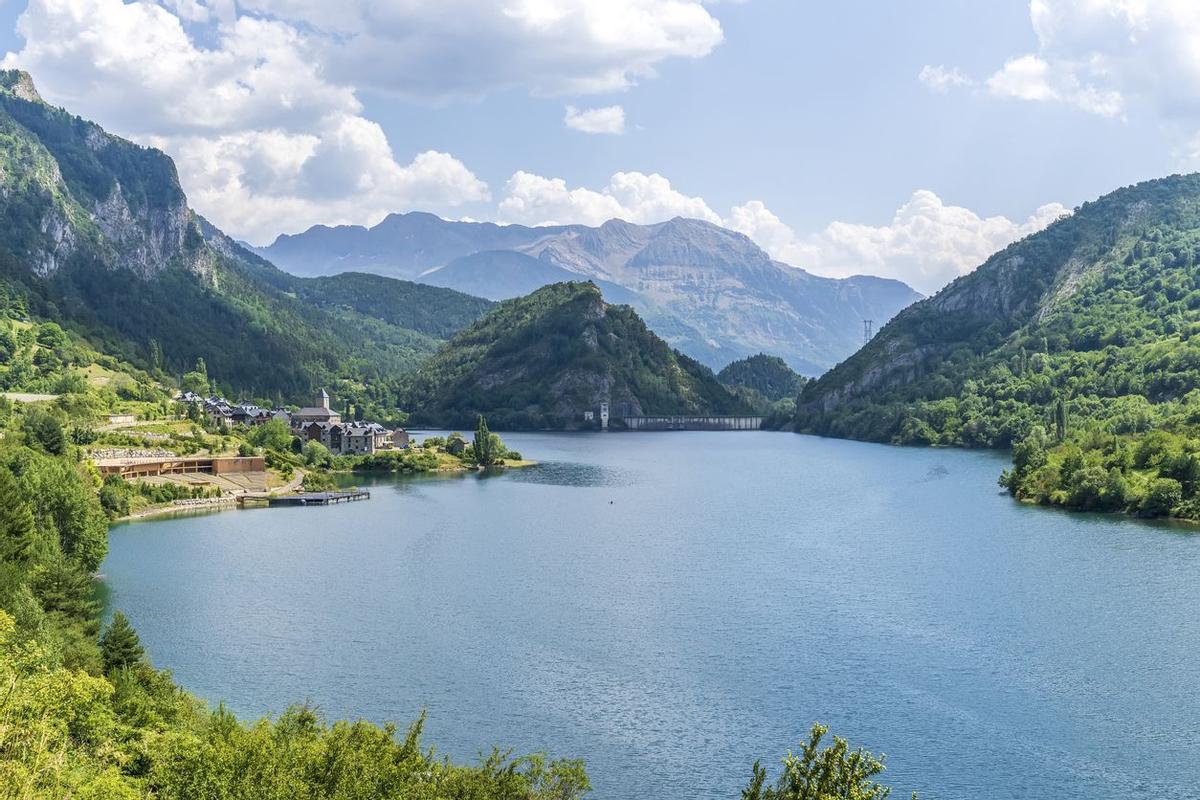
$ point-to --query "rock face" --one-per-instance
(20, 84)
(95, 195)
(710, 292)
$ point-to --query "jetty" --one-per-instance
(305, 498)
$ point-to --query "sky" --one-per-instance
(909, 140)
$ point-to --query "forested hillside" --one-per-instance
(769, 376)
(1083, 336)
(95, 233)
(541, 361)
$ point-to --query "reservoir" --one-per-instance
(672, 606)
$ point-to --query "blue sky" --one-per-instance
(805, 125)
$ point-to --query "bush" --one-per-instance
(316, 454)
(1162, 496)
(318, 482)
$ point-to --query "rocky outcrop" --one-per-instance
(120, 206)
(59, 239)
(18, 83)
(146, 241)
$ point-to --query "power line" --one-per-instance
(867, 332)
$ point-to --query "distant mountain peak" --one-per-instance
(19, 83)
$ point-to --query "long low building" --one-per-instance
(151, 468)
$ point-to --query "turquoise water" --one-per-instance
(672, 606)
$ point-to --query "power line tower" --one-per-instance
(867, 332)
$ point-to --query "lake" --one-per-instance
(672, 606)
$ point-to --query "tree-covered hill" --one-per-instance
(1084, 336)
(96, 234)
(429, 310)
(541, 361)
(769, 376)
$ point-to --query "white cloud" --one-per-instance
(1107, 57)
(609, 119)
(942, 79)
(470, 47)
(632, 196)
(927, 243)
(1029, 77)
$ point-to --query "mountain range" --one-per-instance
(708, 291)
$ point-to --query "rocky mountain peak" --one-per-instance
(19, 83)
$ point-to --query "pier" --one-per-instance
(694, 423)
(305, 498)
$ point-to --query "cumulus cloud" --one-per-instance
(632, 196)
(1032, 78)
(942, 79)
(927, 243)
(1106, 56)
(470, 47)
(609, 119)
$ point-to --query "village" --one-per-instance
(202, 452)
(316, 423)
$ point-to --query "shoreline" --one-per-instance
(216, 504)
(230, 503)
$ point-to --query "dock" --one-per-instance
(305, 498)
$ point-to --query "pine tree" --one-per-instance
(120, 646)
(16, 520)
(484, 454)
(1060, 419)
(156, 355)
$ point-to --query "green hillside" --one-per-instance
(95, 233)
(430, 310)
(1084, 333)
(769, 376)
(540, 361)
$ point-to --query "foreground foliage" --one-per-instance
(84, 715)
(834, 772)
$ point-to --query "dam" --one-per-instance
(694, 423)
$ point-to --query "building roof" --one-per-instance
(316, 411)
